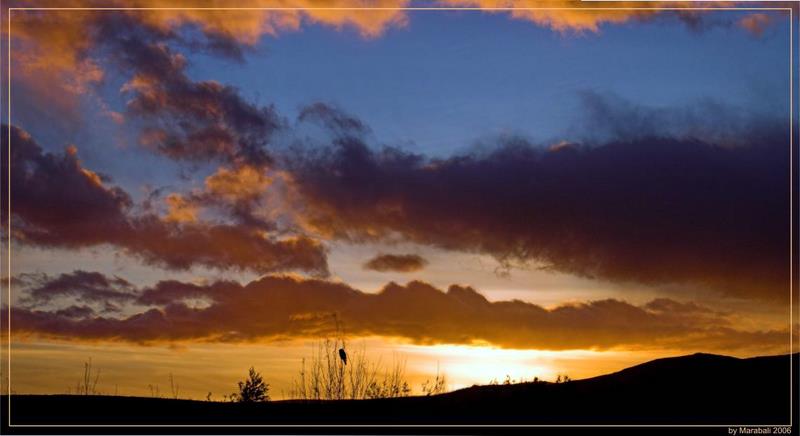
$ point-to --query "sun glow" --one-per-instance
(467, 365)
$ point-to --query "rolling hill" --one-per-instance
(693, 390)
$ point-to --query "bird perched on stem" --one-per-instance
(343, 355)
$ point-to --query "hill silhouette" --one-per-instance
(693, 389)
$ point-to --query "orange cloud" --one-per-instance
(279, 306)
(242, 183)
(54, 44)
(247, 26)
(54, 66)
(576, 16)
(564, 15)
(755, 23)
(180, 210)
(249, 195)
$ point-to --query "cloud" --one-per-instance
(239, 184)
(333, 118)
(756, 23)
(221, 246)
(517, 202)
(61, 204)
(573, 17)
(565, 15)
(75, 312)
(55, 199)
(606, 117)
(180, 210)
(248, 26)
(396, 262)
(647, 205)
(283, 307)
(58, 55)
(246, 195)
(80, 286)
(244, 192)
(197, 121)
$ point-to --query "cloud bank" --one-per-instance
(289, 307)
(645, 205)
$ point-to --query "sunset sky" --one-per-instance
(526, 192)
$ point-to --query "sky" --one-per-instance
(481, 192)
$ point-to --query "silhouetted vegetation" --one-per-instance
(331, 373)
(722, 389)
(173, 387)
(87, 385)
(252, 390)
(327, 376)
(436, 386)
(522, 380)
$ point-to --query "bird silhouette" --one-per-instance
(343, 355)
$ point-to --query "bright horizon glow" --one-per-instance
(466, 365)
(41, 367)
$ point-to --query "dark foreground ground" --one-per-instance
(696, 389)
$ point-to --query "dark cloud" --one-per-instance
(396, 262)
(607, 117)
(333, 118)
(80, 286)
(59, 203)
(190, 120)
(652, 208)
(292, 307)
(55, 200)
(75, 312)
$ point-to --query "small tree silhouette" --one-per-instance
(253, 389)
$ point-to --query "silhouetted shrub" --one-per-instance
(437, 386)
(325, 376)
(253, 389)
